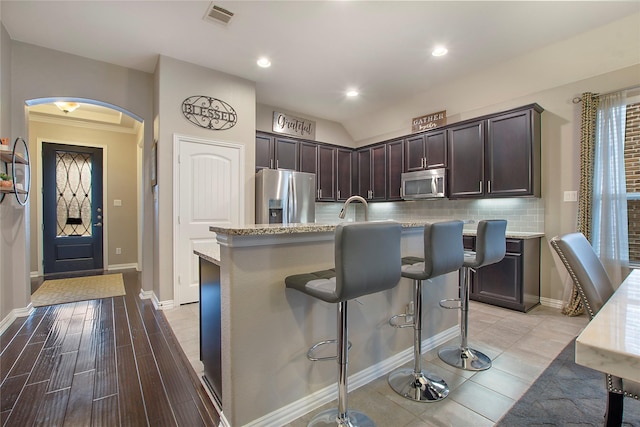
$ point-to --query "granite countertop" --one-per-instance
(210, 252)
(273, 229)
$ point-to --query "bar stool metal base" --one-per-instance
(467, 358)
(418, 387)
(331, 418)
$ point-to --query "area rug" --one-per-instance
(567, 394)
(74, 289)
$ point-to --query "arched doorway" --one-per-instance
(118, 135)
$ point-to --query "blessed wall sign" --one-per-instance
(291, 125)
(209, 113)
(429, 121)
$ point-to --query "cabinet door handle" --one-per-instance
(488, 186)
(338, 194)
(424, 162)
(481, 186)
(277, 164)
(270, 163)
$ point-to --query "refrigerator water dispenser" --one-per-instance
(275, 211)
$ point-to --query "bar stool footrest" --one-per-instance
(407, 324)
(314, 347)
(443, 303)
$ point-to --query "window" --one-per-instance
(632, 171)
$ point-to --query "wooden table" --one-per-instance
(611, 341)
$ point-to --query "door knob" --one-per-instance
(98, 224)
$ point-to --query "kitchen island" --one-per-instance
(265, 330)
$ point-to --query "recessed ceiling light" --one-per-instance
(439, 51)
(264, 62)
(352, 93)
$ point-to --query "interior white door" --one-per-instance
(210, 192)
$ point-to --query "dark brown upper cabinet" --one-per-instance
(426, 151)
(466, 164)
(497, 156)
(395, 166)
(512, 161)
(308, 157)
(346, 175)
(326, 176)
(273, 152)
(372, 172)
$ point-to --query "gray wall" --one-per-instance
(14, 283)
(176, 81)
(36, 73)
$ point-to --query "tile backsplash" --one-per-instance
(522, 214)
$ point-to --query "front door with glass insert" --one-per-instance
(72, 208)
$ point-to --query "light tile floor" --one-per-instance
(520, 345)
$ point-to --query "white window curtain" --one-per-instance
(610, 237)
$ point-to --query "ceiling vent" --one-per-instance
(218, 14)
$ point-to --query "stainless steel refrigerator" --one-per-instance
(284, 197)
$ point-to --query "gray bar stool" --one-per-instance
(443, 253)
(367, 260)
(490, 248)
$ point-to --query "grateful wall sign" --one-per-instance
(292, 125)
(429, 121)
(209, 113)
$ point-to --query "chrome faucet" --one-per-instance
(359, 199)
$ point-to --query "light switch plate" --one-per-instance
(117, 202)
(570, 196)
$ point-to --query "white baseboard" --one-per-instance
(34, 274)
(113, 267)
(161, 305)
(15, 313)
(145, 294)
(157, 304)
(548, 302)
(296, 409)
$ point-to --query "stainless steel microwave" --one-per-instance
(426, 184)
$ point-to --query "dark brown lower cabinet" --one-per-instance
(513, 282)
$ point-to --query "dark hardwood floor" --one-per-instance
(107, 362)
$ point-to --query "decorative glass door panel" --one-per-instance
(73, 187)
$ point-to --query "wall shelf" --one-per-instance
(16, 163)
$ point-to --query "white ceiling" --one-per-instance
(318, 48)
